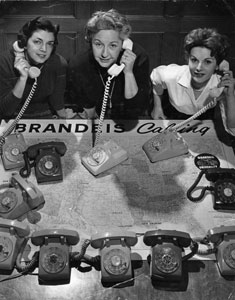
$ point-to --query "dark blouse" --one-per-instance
(87, 80)
(49, 93)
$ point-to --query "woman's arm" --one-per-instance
(157, 112)
(228, 82)
(131, 87)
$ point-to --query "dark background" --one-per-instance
(159, 26)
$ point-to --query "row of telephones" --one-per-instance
(55, 258)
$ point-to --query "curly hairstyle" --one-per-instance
(210, 39)
(30, 27)
(107, 20)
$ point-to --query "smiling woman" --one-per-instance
(189, 86)
(128, 96)
(36, 46)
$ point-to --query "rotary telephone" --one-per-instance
(19, 197)
(223, 187)
(11, 152)
(166, 253)
(107, 154)
(223, 240)
(54, 255)
(115, 255)
(46, 159)
(12, 236)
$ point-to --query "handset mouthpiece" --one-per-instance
(34, 72)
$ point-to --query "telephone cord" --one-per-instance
(19, 116)
(194, 185)
(103, 109)
(197, 114)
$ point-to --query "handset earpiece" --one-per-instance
(34, 72)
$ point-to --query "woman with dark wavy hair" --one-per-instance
(190, 87)
(128, 95)
(33, 55)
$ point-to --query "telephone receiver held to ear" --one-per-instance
(34, 72)
(115, 69)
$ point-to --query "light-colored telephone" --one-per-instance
(223, 240)
(166, 253)
(12, 236)
(12, 153)
(54, 255)
(19, 197)
(34, 72)
(115, 252)
(170, 143)
(107, 154)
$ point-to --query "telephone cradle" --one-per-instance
(19, 197)
(103, 157)
(165, 145)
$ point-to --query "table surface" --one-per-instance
(136, 195)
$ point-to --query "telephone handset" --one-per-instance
(115, 251)
(46, 159)
(115, 69)
(166, 253)
(12, 151)
(108, 154)
(223, 187)
(170, 143)
(54, 255)
(12, 236)
(223, 239)
(19, 197)
(34, 72)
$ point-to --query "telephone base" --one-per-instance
(165, 145)
(103, 157)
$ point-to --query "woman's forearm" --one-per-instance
(131, 88)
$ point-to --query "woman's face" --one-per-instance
(201, 66)
(40, 45)
(106, 46)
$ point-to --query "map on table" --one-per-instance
(136, 195)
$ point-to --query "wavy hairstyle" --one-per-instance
(30, 27)
(107, 20)
(210, 39)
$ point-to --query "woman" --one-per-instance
(128, 95)
(189, 86)
(38, 40)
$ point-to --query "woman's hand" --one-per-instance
(128, 59)
(228, 82)
(22, 66)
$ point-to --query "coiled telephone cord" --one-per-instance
(103, 109)
(19, 116)
(197, 114)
